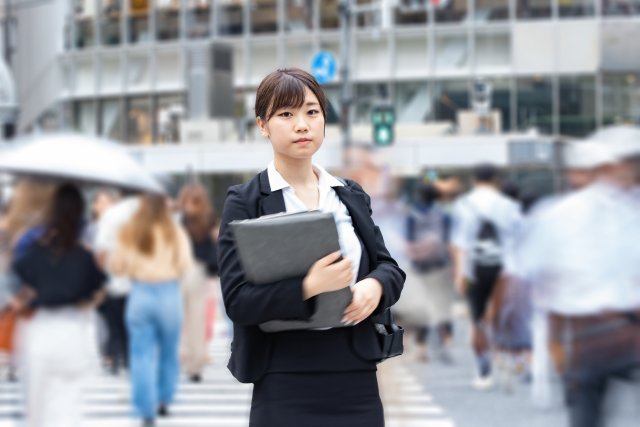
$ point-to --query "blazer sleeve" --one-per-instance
(245, 302)
(386, 270)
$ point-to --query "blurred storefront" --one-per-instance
(121, 68)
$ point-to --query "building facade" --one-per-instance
(120, 68)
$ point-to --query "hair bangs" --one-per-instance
(289, 92)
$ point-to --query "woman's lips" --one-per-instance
(302, 141)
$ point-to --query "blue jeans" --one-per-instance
(154, 320)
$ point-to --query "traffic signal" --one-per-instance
(383, 117)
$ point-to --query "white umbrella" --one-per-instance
(79, 158)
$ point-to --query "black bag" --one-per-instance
(487, 248)
(390, 335)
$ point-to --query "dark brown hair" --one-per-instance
(64, 221)
(284, 88)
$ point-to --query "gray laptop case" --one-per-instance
(281, 246)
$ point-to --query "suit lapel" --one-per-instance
(271, 202)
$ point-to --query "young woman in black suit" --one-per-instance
(307, 377)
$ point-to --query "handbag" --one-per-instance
(8, 320)
(390, 335)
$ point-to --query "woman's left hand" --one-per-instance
(366, 297)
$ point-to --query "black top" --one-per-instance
(59, 279)
(254, 352)
(206, 252)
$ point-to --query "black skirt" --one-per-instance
(322, 399)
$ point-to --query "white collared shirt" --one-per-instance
(328, 202)
(580, 252)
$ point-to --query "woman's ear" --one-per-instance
(263, 127)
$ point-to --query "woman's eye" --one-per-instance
(285, 114)
(313, 112)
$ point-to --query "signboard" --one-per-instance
(323, 67)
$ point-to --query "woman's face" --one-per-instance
(295, 133)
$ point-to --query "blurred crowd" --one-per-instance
(552, 288)
(134, 275)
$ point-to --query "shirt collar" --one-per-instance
(277, 182)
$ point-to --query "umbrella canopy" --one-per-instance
(79, 158)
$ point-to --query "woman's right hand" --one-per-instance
(326, 275)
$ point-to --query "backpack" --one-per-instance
(486, 250)
(429, 225)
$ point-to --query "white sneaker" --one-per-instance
(483, 383)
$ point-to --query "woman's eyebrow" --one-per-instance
(312, 103)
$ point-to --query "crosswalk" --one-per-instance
(219, 400)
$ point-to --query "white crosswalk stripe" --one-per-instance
(221, 401)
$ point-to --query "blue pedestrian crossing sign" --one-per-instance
(323, 67)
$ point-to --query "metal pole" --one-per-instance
(345, 65)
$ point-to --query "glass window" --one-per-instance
(111, 73)
(139, 121)
(110, 22)
(329, 14)
(366, 95)
(370, 16)
(198, 18)
(139, 71)
(449, 97)
(452, 52)
(139, 28)
(334, 106)
(112, 119)
(620, 7)
(572, 8)
(264, 16)
(534, 104)
(451, 11)
(168, 115)
(67, 75)
(533, 9)
(167, 19)
(492, 10)
(411, 12)
(299, 16)
(501, 101)
(577, 105)
(85, 76)
(299, 53)
(85, 117)
(168, 69)
(621, 98)
(85, 15)
(411, 56)
(412, 102)
(229, 17)
(493, 51)
(264, 58)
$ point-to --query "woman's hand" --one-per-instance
(326, 275)
(366, 297)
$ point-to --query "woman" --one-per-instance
(154, 252)
(199, 220)
(61, 280)
(309, 377)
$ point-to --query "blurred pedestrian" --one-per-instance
(428, 229)
(198, 218)
(62, 282)
(117, 289)
(581, 256)
(26, 209)
(311, 378)
(485, 225)
(154, 252)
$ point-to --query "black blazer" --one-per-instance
(248, 305)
